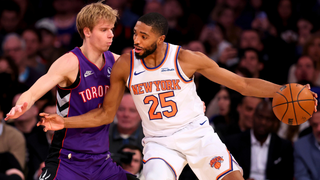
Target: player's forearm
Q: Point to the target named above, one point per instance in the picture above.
(94, 118)
(26, 97)
(260, 88)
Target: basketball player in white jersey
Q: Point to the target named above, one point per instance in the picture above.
(160, 78)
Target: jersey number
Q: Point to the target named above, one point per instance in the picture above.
(164, 102)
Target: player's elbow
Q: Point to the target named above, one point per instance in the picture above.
(241, 87)
(105, 117)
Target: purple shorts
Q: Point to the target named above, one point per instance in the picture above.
(81, 166)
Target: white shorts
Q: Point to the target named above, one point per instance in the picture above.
(198, 145)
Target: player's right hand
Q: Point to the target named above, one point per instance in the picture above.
(17, 111)
(52, 122)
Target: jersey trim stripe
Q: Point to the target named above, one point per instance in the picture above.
(76, 77)
(114, 59)
(228, 170)
(177, 67)
(65, 134)
(131, 69)
(92, 62)
(175, 174)
(162, 62)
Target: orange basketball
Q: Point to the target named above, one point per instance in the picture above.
(293, 104)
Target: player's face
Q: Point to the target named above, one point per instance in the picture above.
(102, 35)
(315, 124)
(145, 40)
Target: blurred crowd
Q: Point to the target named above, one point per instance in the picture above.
(275, 40)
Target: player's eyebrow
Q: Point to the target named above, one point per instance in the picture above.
(141, 32)
(144, 33)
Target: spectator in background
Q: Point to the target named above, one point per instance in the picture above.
(128, 129)
(307, 152)
(15, 47)
(135, 166)
(251, 59)
(38, 146)
(274, 52)
(65, 21)
(197, 46)
(49, 49)
(9, 19)
(12, 141)
(260, 152)
(10, 168)
(220, 50)
(153, 6)
(246, 108)
(28, 14)
(9, 78)
(285, 21)
(123, 28)
(224, 103)
(226, 17)
(173, 12)
(26, 123)
(312, 49)
(33, 39)
(305, 29)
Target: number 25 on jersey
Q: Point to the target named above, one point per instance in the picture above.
(164, 102)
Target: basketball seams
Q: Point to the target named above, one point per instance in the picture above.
(294, 110)
(292, 102)
(284, 103)
(300, 111)
(302, 100)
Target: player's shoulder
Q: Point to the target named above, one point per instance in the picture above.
(68, 57)
(185, 54)
(116, 56)
(126, 57)
(66, 62)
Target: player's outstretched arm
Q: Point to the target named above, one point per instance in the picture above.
(98, 116)
(198, 62)
(58, 72)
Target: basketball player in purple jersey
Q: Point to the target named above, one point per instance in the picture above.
(83, 78)
(159, 76)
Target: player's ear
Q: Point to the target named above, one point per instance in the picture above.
(161, 39)
(86, 32)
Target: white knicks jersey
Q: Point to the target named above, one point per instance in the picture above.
(165, 97)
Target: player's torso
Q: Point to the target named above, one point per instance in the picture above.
(86, 93)
(164, 96)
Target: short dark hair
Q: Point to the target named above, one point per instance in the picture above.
(242, 53)
(158, 23)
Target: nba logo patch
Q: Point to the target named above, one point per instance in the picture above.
(216, 162)
(109, 71)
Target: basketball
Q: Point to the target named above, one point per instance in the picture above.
(293, 104)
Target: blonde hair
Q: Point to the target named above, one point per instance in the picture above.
(90, 15)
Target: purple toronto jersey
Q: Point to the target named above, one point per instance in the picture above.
(85, 94)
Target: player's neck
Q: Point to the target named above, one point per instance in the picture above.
(92, 55)
(156, 58)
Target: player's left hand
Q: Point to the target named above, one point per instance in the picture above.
(51, 122)
(204, 107)
(315, 96)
